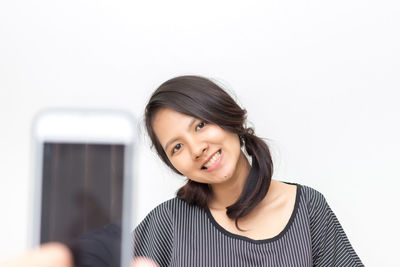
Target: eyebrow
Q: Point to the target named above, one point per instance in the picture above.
(173, 140)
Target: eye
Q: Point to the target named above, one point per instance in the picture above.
(176, 148)
(200, 125)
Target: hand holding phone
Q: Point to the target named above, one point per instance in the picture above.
(58, 255)
(48, 255)
(83, 183)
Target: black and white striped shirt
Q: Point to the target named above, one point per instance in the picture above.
(177, 234)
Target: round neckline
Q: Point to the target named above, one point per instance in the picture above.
(259, 241)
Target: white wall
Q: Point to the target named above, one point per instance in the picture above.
(319, 78)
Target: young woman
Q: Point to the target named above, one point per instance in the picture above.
(230, 212)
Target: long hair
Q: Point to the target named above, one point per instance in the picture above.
(203, 99)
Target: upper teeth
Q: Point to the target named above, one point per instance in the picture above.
(212, 160)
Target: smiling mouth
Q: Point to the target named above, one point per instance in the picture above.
(212, 160)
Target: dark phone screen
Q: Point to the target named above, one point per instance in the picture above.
(82, 194)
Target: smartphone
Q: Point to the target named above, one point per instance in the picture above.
(84, 166)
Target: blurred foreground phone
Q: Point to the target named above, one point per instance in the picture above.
(83, 183)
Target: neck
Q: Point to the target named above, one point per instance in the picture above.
(227, 193)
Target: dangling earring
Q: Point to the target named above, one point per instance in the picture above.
(241, 139)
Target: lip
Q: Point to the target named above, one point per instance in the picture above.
(216, 163)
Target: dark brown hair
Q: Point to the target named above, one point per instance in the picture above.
(203, 99)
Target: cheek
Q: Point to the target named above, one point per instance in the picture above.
(232, 140)
(181, 163)
(215, 134)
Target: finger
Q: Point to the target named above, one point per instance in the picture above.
(49, 255)
(144, 262)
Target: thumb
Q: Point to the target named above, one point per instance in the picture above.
(48, 255)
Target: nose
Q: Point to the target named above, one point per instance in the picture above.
(199, 149)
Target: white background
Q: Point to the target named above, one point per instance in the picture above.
(320, 79)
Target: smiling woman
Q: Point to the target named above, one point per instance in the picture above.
(203, 151)
(178, 103)
(195, 147)
(230, 212)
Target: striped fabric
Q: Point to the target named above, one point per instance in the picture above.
(176, 234)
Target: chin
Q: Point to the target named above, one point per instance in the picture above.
(225, 176)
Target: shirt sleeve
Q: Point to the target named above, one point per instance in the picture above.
(330, 246)
(153, 237)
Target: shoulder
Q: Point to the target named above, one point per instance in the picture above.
(313, 198)
(311, 194)
(161, 211)
(153, 237)
(166, 211)
(312, 204)
(315, 204)
(170, 206)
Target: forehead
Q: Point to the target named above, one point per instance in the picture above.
(168, 124)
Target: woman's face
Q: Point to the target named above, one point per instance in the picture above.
(202, 152)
